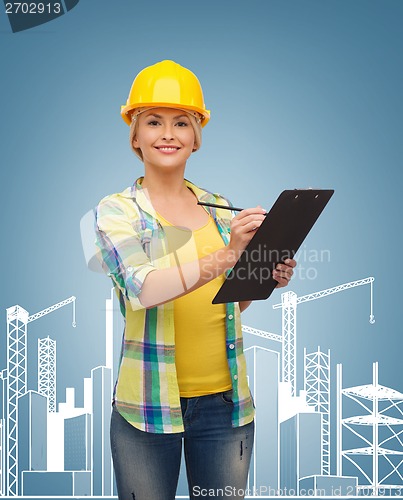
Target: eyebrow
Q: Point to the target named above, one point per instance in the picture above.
(160, 117)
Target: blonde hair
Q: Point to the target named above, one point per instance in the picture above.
(194, 120)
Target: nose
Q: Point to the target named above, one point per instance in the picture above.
(168, 132)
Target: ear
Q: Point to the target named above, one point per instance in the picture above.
(135, 142)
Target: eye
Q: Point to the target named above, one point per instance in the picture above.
(182, 124)
(153, 123)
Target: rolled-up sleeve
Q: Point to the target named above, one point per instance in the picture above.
(121, 253)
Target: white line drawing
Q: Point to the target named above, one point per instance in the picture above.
(263, 365)
(2, 441)
(3, 432)
(47, 371)
(300, 450)
(317, 387)
(102, 472)
(77, 443)
(378, 403)
(32, 433)
(17, 320)
(320, 400)
(289, 302)
(285, 421)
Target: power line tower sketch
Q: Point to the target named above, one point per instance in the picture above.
(317, 387)
(47, 371)
(17, 321)
(377, 431)
(288, 305)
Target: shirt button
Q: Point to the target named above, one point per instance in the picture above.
(235, 377)
(129, 269)
(230, 316)
(231, 346)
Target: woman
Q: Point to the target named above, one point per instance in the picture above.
(182, 372)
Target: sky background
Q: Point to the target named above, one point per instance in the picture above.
(302, 93)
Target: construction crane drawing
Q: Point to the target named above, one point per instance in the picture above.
(289, 302)
(17, 321)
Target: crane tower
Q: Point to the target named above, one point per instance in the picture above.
(47, 371)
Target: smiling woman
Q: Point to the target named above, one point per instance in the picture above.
(182, 373)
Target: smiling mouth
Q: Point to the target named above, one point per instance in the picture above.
(167, 149)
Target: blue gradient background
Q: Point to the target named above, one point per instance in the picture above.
(302, 93)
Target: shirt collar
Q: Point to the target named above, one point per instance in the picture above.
(138, 193)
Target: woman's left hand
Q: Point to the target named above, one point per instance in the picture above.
(284, 272)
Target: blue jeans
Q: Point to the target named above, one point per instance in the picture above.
(217, 455)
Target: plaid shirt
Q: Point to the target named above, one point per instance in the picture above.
(132, 244)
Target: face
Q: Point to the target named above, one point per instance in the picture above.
(165, 136)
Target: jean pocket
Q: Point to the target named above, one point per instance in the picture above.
(226, 397)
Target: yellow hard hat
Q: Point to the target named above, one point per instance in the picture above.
(167, 85)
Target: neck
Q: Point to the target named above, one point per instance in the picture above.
(166, 184)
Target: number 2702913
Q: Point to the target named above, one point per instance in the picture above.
(33, 8)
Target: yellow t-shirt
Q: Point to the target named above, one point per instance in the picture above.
(200, 351)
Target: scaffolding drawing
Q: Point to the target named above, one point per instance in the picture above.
(317, 387)
(17, 321)
(378, 430)
(47, 371)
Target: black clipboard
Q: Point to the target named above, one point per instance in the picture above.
(281, 234)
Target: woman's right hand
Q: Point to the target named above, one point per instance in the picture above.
(243, 228)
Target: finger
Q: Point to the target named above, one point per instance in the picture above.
(252, 226)
(282, 282)
(290, 262)
(250, 211)
(284, 270)
(282, 277)
(251, 218)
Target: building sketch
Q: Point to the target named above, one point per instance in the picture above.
(328, 486)
(56, 484)
(264, 370)
(17, 321)
(102, 471)
(49, 448)
(300, 450)
(32, 433)
(77, 443)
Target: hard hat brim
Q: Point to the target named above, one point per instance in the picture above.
(126, 110)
